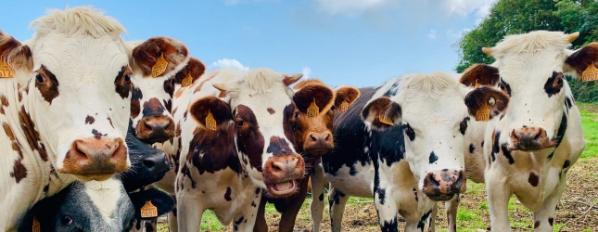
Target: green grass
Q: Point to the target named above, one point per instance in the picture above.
(589, 121)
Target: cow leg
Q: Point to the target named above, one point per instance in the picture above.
(388, 213)
(451, 213)
(498, 193)
(189, 211)
(289, 215)
(544, 217)
(318, 183)
(337, 201)
(172, 221)
(260, 222)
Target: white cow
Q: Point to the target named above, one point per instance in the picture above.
(65, 107)
(529, 149)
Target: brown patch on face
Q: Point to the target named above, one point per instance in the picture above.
(249, 139)
(271, 111)
(18, 170)
(89, 120)
(152, 107)
(168, 105)
(11, 136)
(584, 58)
(322, 96)
(345, 96)
(14, 53)
(96, 134)
(135, 102)
(484, 103)
(480, 75)
(382, 112)
(169, 87)
(301, 130)
(47, 84)
(31, 134)
(554, 84)
(147, 54)
(122, 83)
(190, 73)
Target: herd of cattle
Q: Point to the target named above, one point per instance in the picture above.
(99, 134)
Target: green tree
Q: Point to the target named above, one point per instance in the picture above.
(520, 16)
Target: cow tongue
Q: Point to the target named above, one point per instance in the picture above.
(285, 186)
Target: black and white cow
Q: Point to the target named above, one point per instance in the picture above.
(402, 143)
(65, 97)
(105, 205)
(529, 149)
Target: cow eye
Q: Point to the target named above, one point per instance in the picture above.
(66, 220)
(39, 79)
(239, 122)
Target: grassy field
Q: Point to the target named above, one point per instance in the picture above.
(577, 211)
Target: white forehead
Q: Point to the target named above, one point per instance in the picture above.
(261, 88)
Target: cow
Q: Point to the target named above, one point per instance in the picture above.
(310, 132)
(159, 64)
(233, 146)
(530, 148)
(110, 205)
(403, 144)
(64, 111)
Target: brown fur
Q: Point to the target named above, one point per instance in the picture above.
(249, 139)
(480, 74)
(14, 53)
(583, 58)
(194, 68)
(146, 54)
(478, 98)
(31, 134)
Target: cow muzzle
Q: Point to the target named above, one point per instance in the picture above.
(530, 139)
(318, 143)
(281, 174)
(155, 129)
(96, 159)
(443, 185)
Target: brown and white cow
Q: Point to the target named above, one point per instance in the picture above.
(160, 65)
(65, 98)
(308, 125)
(529, 149)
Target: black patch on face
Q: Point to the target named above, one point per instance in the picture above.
(554, 84)
(507, 153)
(89, 120)
(533, 179)
(227, 194)
(47, 84)
(495, 148)
(471, 148)
(152, 107)
(169, 86)
(122, 83)
(463, 125)
(96, 134)
(560, 134)
(409, 132)
(504, 86)
(433, 158)
(168, 105)
(279, 146)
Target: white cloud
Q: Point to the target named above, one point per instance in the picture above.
(335, 7)
(481, 8)
(432, 34)
(229, 63)
(306, 72)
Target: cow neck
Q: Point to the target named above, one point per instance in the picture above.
(40, 171)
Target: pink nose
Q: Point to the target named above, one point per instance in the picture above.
(318, 143)
(442, 185)
(285, 167)
(155, 129)
(96, 158)
(530, 139)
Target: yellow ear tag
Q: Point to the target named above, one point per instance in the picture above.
(149, 210)
(5, 70)
(160, 66)
(187, 81)
(211, 122)
(313, 110)
(385, 120)
(590, 74)
(35, 226)
(483, 114)
(344, 106)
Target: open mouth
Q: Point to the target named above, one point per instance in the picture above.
(282, 189)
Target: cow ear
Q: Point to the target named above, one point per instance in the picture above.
(211, 112)
(345, 96)
(480, 75)
(158, 56)
(583, 63)
(382, 113)
(485, 103)
(313, 99)
(14, 56)
(191, 72)
(161, 200)
(290, 79)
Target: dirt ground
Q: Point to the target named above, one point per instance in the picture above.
(577, 211)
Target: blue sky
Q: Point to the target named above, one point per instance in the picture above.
(356, 42)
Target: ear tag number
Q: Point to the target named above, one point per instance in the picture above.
(483, 114)
(385, 120)
(5, 70)
(211, 122)
(313, 110)
(590, 74)
(344, 106)
(160, 66)
(149, 210)
(187, 81)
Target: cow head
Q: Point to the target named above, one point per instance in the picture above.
(159, 66)
(434, 118)
(257, 103)
(76, 91)
(308, 121)
(530, 68)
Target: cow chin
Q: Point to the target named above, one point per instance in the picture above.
(282, 189)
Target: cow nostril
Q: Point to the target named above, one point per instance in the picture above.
(148, 163)
(313, 137)
(327, 137)
(276, 168)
